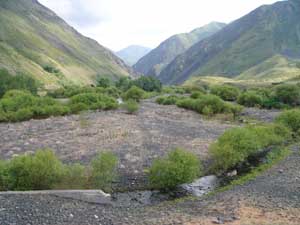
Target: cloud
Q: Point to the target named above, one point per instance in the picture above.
(119, 23)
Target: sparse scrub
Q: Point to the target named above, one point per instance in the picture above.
(131, 106)
(104, 171)
(177, 168)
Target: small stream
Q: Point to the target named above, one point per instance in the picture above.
(198, 188)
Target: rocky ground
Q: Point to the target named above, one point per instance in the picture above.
(272, 199)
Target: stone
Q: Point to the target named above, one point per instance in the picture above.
(201, 186)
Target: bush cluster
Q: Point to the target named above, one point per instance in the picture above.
(235, 146)
(21, 82)
(290, 119)
(168, 100)
(209, 105)
(20, 105)
(226, 92)
(92, 101)
(146, 83)
(178, 167)
(43, 171)
(134, 93)
(281, 96)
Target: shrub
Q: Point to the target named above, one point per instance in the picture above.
(196, 94)
(3, 176)
(134, 93)
(290, 119)
(124, 83)
(21, 105)
(288, 94)
(131, 106)
(51, 69)
(74, 177)
(34, 172)
(167, 100)
(177, 168)
(250, 99)
(236, 145)
(104, 171)
(93, 101)
(148, 83)
(20, 82)
(207, 104)
(226, 92)
(103, 82)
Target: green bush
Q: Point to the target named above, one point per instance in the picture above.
(134, 93)
(167, 100)
(93, 101)
(131, 106)
(196, 94)
(3, 176)
(20, 82)
(250, 99)
(226, 92)
(236, 145)
(104, 171)
(34, 172)
(177, 168)
(208, 104)
(290, 119)
(288, 94)
(148, 83)
(21, 105)
(74, 177)
(104, 82)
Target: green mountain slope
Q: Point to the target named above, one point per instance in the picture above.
(154, 62)
(34, 39)
(253, 40)
(133, 53)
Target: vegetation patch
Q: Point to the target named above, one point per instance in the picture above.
(43, 171)
(235, 146)
(131, 106)
(178, 167)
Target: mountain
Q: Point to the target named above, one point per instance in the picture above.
(35, 41)
(265, 41)
(133, 53)
(154, 62)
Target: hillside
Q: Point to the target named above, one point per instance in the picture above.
(154, 62)
(133, 53)
(249, 46)
(35, 41)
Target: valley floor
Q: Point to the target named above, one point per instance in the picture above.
(271, 199)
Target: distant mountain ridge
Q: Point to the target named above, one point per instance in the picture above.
(133, 53)
(154, 62)
(35, 41)
(265, 42)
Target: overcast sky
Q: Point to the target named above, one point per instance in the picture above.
(119, 23)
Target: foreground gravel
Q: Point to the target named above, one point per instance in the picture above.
(272, 198)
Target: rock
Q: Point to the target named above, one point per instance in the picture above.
(232, 173)
(217, 221)
(201, 186)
